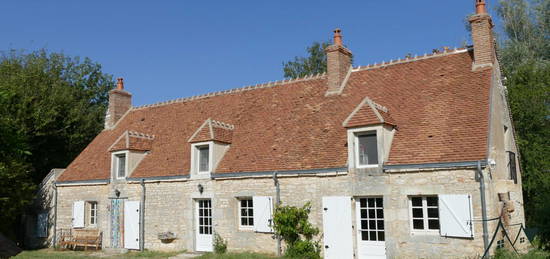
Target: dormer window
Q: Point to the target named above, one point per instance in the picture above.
(203, 158)
(120, 165)
(366, 149)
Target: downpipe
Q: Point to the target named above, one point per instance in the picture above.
(54, 244)
(483, 206)
(142, 217)
(277, 203)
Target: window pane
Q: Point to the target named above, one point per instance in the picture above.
(380, 213)
(381, 236)
(433, 224)
(251, 221)
(372, 235)
(363, 213)
(243, 203)
(432, 201)
(364, 224)
(121, 165)
(363, 202)
(372, 213)
(371, 202)
(380, 224)
(417, 213)
(379, 202)
(416, 201)
(433, 212)
(250, 212)
(368, 153)
(418, 224)
(364, 235)
(243, 212)
(244, 222)
(372, 224)
(203, 159)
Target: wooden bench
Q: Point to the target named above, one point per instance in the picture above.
(85, 238)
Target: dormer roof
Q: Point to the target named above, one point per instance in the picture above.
(132, 140)
(368, 113)
(212, 130)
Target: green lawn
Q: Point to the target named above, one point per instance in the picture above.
(49, 253)
(236, 256)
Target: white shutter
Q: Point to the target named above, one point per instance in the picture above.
(337, 237)
(455, 215)
(263, 213)
(78, 214)
(131, 224)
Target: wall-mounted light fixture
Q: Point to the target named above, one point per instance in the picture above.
(117, 193)
(201, 188)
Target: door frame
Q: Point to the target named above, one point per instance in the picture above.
(359, 227)
(196, 225)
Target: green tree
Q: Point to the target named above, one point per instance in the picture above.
(524, 52)
(52, 107)
(315, 63)
(293, 226)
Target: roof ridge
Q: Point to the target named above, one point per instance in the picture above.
(234, 90)
(140, 135)
(445, 52)
(222, 125)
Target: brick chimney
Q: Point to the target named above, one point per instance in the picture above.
(120, 102)
(482, 36)
(338, 64)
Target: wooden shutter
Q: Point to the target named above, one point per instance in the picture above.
(455, 215)
(263, 213)
(42, 225)
(78, 214)
(337, 236)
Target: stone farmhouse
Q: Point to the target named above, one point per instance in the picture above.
(401, 159)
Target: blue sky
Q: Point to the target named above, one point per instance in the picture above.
(172, 49)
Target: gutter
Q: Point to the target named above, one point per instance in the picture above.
(173, 178)
(312, 172)
(427, 166)
(83, 182)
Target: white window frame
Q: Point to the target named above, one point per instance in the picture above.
(195, 157)
(426, 230)
(353, 145)
(92, 213)
(114, 163)
(241, 226)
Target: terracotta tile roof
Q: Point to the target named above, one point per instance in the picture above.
(368, 112)
(440, 106)
(131, 140)
(213, 130)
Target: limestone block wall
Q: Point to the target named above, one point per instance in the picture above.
(169, 206)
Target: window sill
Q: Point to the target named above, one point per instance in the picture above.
(246, 228)
(366, 166)
(425, 233)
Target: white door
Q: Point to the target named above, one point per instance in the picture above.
(131, 224)
(78, 214)
(203, 225)
(370, 228)
(337, 231)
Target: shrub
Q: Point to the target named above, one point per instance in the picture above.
(292, 225)
(220, 245)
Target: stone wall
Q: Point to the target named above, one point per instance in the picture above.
(169, 207)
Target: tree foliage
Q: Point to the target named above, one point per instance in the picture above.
(524, 51)
(292, 225)
(315, 63)
(52, 106)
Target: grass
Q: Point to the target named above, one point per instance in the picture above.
(533, 254)
(50, 253)
(244, 255)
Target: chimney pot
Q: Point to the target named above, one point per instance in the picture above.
(120, 83)
(480, 7)
(338, 37)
